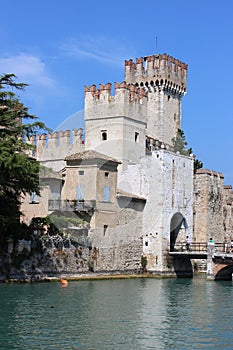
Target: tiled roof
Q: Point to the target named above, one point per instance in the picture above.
(90, 154)
(121, 193)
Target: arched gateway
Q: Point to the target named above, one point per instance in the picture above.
(182, 265)
(178, 227)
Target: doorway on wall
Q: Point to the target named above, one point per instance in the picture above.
(177, 230)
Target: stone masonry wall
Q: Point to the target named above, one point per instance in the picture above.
(119, 248)
(51, 149)
(165, 180)
(44, 257)
(228, 212)
(208, 206)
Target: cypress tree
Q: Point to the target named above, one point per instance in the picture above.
(19, 173)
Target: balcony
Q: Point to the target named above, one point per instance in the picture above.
(75, 205)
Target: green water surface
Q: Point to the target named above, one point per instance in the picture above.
(117, 314)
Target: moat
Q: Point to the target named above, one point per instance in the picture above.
(142, 313)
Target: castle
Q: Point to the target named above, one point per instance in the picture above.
(140, 197)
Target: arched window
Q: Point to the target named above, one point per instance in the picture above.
(104, 135)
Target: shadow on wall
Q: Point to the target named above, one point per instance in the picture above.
(183, 267)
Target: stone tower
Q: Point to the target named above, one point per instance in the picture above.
(147, 104)
(164, 78)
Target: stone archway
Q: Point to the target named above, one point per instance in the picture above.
(177, 230)
(223, 272)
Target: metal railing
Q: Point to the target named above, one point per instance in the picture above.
(66, 205)
(192, 247)
(202, 247)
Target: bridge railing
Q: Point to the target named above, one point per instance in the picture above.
(222, 248)
(202, 247)
(194, 247)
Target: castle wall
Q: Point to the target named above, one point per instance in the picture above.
(156, 67)
(163, 114)
(128, 100)
(150, 98)
(91, 182)
(51, 149)
(165, 179)
(147, 206)
(164, 79)
(228, 212)
(121, 118)
(120, 245)
(82, 176)
(125, 138)
(208, 206)
(38, 206)
(36, 209)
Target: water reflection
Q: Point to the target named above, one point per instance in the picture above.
(117, 314)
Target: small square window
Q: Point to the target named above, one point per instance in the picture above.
(34, 199)
(81, 172)
(106, 174)
(146, 244)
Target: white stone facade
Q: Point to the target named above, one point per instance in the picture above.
(150, 189)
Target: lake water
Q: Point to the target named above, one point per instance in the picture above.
(117, 314)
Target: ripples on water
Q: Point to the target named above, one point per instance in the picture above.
(117, 314)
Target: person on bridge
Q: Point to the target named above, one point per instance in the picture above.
(188, 243)
(232, 246)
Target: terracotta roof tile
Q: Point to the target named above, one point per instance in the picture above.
(90, 154)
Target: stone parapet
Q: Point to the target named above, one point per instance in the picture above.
(209, 172)
(161, 68)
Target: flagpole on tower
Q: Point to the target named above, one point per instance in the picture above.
(156, 53)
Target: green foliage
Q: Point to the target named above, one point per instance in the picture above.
(62, 221)
(39, 223)
(19, 173)
(55, 223)
(180, 145)
(197, 165)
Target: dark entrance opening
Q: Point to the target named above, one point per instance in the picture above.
(175, 226)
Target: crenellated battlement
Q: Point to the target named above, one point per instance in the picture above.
(123, 91)
(157, 70)
(151, 94)
(128, 100)
(52, 148)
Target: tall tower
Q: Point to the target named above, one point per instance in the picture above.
(164, 78)
(147, 104)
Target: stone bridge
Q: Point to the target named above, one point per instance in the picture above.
(219, 259)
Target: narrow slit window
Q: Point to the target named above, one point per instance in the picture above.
(136, 137)
(105, 229)
(80, 192)
(106, 194)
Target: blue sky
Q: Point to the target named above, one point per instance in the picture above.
(57, 47)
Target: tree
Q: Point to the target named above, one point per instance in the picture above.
(19, 172)
(180, 145)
